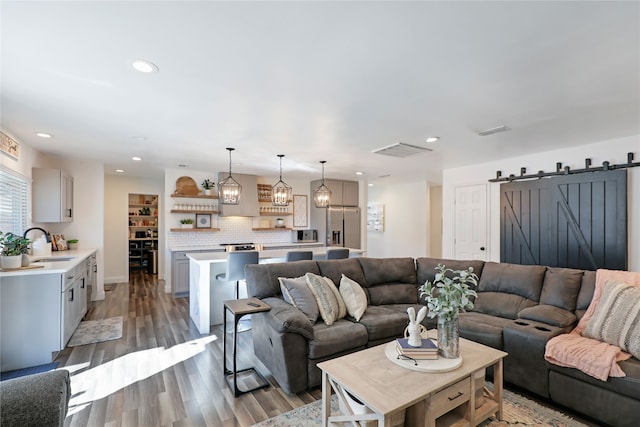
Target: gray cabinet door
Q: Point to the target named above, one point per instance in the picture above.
(350, 193)
(336, 191)
(180, 276)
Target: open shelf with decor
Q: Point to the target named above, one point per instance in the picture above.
(272, 229)
(190, 230)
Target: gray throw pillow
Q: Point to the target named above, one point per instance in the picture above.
(296, 292)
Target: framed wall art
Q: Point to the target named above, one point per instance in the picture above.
(300, 218)
(203, 220)
(9, 146)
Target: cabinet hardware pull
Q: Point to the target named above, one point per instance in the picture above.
(71, 290)
(456, 396)
(70, 277)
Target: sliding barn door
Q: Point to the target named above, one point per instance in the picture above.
(577, 221)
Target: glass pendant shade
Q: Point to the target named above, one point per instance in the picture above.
(322, 194)
(229, 190)
(281, 193)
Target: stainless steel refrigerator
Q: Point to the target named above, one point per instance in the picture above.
(343, 227)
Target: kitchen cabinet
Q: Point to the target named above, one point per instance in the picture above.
(52, 192)
(40, 311)
(343, 193)
(180, 274)
(248, 205)
(73, 301)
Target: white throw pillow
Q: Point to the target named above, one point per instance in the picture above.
(355, 298)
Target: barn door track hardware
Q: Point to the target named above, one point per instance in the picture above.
(606, 166)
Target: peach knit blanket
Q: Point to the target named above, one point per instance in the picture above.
(593, 357)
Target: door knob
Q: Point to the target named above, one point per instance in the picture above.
(482, 248)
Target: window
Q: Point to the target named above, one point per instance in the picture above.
(14, 190)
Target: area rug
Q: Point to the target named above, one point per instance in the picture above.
(93, 331)
(517, 411)
(28, 371)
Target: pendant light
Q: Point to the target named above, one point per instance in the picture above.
(281, 193)
(322, 194)
(229, 190)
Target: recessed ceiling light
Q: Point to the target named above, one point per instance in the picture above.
(120, 170)
(432, 138)
(182, 165)
(139, 138)
(144, 66)
(44, 135)
(370, 185)
(359, 173)
(136, 159)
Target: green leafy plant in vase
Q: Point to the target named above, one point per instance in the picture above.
(186, 223)
(13, 247)
(208, 186)
(452, 292)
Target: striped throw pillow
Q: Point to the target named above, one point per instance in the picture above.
(616, 320)
(327, 297)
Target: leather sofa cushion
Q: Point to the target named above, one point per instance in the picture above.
(426, 267)
(384, 322)
(627, 386)
(586, 293)
(483, 328)
(549, 314)
(560, 287)
(341, 336)
(506, 289)
(262, 279)
(390, 280)
(501, 304)
(335, 268)
(379, 271)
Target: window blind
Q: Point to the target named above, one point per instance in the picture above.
(14, 191)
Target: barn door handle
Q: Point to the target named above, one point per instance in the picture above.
(482, 248)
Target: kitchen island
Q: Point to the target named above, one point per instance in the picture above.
(41, 307)
(206, 294)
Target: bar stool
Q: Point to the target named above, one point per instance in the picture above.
(236, 261)
(299, 256)
(338, 253)
(235, 267)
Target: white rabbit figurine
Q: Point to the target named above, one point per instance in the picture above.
(414, 327)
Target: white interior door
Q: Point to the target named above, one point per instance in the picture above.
(471, 222)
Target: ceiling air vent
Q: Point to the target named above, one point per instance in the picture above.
(491, 131)
(401, 149)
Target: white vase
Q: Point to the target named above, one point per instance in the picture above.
(26, 260)
(186, 225)
(13, 261)
(207, 192)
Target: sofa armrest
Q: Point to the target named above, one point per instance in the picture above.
(285, 318)
(549, 314)
(35, 400)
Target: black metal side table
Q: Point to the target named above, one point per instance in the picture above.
(240, 308)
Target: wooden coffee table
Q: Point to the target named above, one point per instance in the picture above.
(389, 390)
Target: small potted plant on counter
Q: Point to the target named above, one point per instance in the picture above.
(73, 244)
(208, 186)
(186, 223)
(14, 249)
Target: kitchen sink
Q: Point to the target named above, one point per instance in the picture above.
(62, 258)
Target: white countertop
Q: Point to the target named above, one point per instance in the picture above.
(218, 248)
(268, 255)
(77, 256)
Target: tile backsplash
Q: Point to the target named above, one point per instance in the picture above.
(232, 230)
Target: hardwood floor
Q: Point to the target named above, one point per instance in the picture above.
(162, 372)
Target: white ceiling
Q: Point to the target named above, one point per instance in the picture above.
(317, 81)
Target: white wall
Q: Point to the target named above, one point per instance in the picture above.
(406, 215)
(116, 222)
(614, 151)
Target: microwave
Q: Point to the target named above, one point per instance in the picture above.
(304, 236)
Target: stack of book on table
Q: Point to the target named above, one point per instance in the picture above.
(427, 350)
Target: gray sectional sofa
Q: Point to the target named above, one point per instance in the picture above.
(518, 309)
